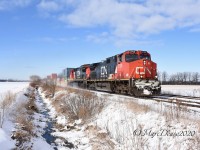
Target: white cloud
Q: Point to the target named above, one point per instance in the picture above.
(10, 4)
(49, 6)
(131, 18)
(125, 19)
(57, 5)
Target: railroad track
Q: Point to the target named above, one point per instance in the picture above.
(178, 100)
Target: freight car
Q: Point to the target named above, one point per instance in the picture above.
(131, 72)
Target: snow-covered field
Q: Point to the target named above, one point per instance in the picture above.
(185, 90)
(14, 87)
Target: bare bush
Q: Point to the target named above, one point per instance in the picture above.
(35, 81)
(58, 104)
(5, 102)
(21, 137)
(25, 123)
(81, 105)
(50, 87)
(85, 104)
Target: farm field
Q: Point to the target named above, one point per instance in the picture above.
(185, 90)
(14, 87)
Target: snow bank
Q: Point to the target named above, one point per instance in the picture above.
(8, 126)
(5, 141)
(133, 129)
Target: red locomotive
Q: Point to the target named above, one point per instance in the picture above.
(131, 72)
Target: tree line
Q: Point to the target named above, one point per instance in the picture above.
(12, 80)
(192, 78)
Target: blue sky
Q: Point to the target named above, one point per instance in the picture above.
(45, 36)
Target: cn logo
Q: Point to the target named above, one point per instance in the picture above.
(140, 70)
(104, 71)
(78, 73)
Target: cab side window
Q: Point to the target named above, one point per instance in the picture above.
(120, 58)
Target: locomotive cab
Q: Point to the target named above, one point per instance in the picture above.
(135, 64)
(140, 70)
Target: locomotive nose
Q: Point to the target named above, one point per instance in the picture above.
(150, 69)
(145, 69)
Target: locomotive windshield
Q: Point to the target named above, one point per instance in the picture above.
(142, 56)
(131, 57)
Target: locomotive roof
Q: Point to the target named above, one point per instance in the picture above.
(134, 51)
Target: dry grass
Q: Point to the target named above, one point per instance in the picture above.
(98, 139)
(137, 108)
(21, 137)
(71, 90)
(174, 110)
(23, 120)
(25, 123)
(5, 103)
(59, 88)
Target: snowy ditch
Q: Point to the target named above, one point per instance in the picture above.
(60, 133)
(50, 129)
(49, 121)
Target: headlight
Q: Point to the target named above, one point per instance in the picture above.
(141, 76)
(144, 62)
(156, 77)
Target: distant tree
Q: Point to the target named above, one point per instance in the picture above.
(195, 77)
(35, 80)
(179, 77)
(185, 76)
(159, 75)
(173, 79)
(164, 76)
(189, 77)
